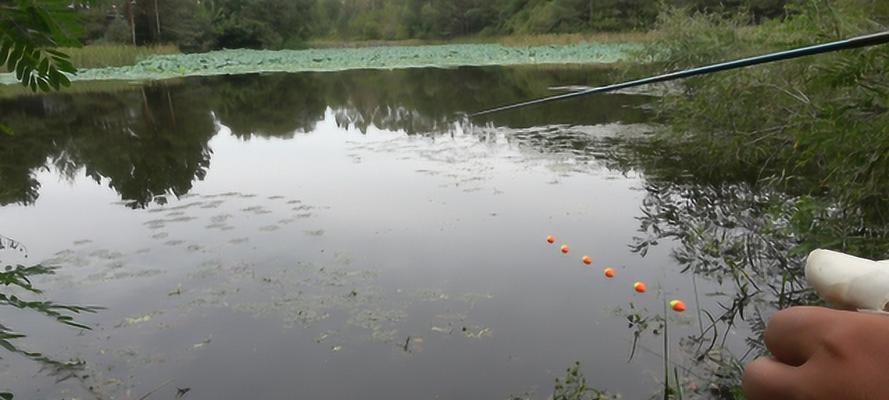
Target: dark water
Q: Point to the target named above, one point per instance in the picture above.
(336, 235)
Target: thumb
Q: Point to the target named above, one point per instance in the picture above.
(766, 379)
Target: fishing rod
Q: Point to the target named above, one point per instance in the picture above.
(853, 43)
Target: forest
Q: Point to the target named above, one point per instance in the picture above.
(200, 25)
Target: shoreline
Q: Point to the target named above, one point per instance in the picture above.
(516, 40)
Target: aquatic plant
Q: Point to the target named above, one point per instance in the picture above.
(573, 386)
(225, 62)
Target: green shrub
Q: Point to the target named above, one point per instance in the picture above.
(118, 32)
(814, 126)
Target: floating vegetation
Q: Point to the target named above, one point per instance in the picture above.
(476, 332)
(256, 210)
(347, 302)
(203, 342)
(132, 321)
(324, 336)
(253, 61)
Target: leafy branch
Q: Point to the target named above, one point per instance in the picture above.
(20, 278)
(62, 370)
(29, 35)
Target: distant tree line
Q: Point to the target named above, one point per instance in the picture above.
(196, 25)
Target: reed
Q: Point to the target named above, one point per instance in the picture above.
(551, 39)
(571, 38)
(112, 55)
(115, 55)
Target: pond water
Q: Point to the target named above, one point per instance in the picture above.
(337, 235)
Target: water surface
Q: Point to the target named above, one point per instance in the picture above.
(334, 235)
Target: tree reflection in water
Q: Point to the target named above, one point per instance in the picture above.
(152, 141)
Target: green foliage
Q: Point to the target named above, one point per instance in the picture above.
(20, 276)
(19, 279)
(814, 126)
(755, 168)
(186, 24)
(29, 32)
(275, 24)
(559, 16)
(118, 31)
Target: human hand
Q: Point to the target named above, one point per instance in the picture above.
(820, 353)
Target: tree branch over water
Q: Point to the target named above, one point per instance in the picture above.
(16, 281)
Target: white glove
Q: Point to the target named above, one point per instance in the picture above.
(848, 281)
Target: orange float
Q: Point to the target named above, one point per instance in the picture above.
(550, 239)
(565, 248)
(610, 273)
(587, 260)
(640, 287)
(677, 305)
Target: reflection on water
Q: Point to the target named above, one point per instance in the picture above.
(152, 141)
(350, 234)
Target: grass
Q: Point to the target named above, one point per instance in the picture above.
(335, 43)
(112, 55)
(571, 38)
(115, 55)
(509, 40)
